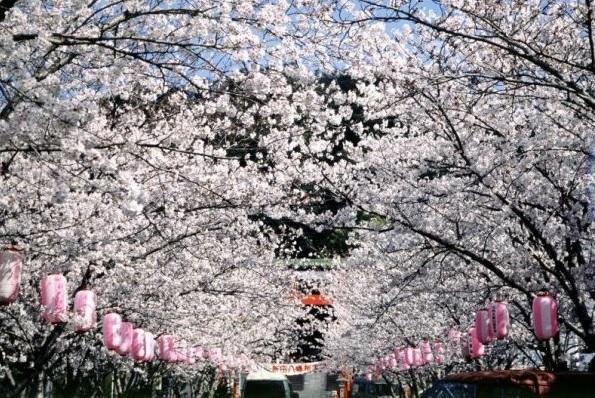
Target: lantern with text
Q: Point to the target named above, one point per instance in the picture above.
(499, 319)
(11, 264)
(54, 298)
(126, 334)
(483, 326)
(85, 303)
(476, 349)
(111, 331)
(545, 316)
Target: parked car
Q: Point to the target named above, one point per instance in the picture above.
(264, 384)
(514, 384)
(363, 388)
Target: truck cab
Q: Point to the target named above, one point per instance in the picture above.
(263, 384)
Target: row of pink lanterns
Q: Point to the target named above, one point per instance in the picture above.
(54, 296)
(490, 323)
(118, 336)
(122, 338)
(493, 323)
(405, 358)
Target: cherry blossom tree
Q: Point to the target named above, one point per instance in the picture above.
(474, 183)
(122, 168)
(168, 155)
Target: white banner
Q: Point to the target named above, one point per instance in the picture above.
(290, 369)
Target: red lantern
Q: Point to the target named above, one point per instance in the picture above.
(111, 331)
(499, 319)
(54, 298)
(126, 334)
(483, 326)
(476, 349)
(138, 348)
(545, 316)
(426, 353)
(11, 264)
(85, 303)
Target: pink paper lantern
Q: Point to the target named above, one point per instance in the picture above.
(426, 353)
(438, 353)
(410, 356)
(403, 359)
(483, 326)
(149, 347)
(137, 350)
(167, 348)
(499, 319)
(476, 348)
(11, 264)
(393, 363)
(417, 357)
(126, 334)
(545, 316)
(54, 298)
(111, 331)
(85, 303)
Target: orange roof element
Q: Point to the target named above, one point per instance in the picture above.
(315, 300)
